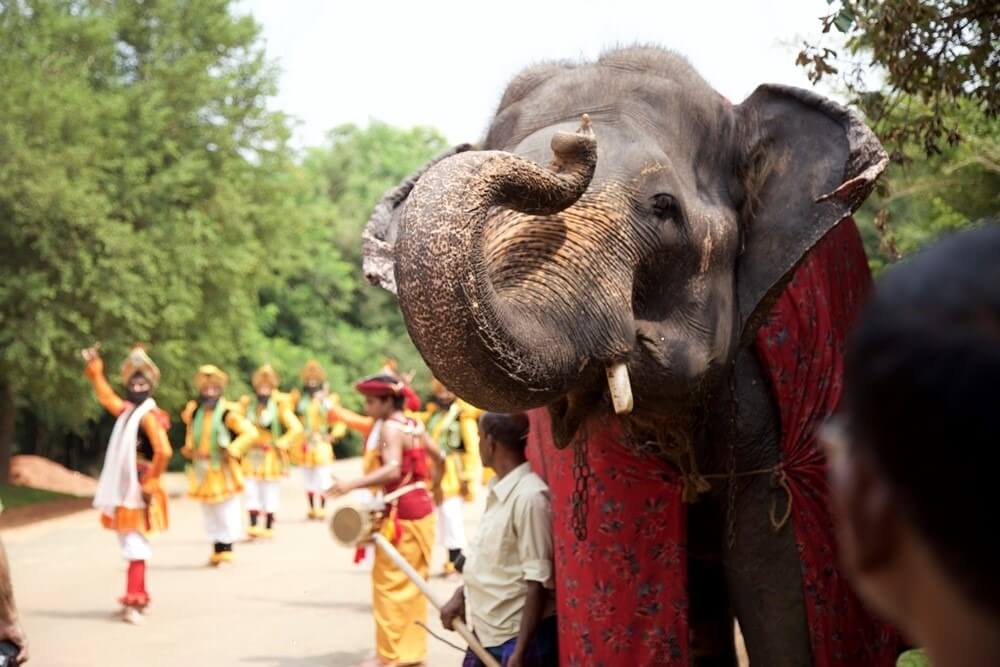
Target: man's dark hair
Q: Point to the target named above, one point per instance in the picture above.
(510, 431)
(922, 396)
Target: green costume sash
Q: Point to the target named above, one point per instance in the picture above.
(269, 418)
(302, 410)
(447, 426)
(219, 435)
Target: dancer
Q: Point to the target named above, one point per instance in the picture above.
(277, 429)
(217, 437)
(129, 495)
(454, 427)
(314, 455)
(402, 449)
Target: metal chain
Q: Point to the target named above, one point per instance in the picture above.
(581, 476)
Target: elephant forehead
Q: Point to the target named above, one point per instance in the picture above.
(627, 155)
(650, 102)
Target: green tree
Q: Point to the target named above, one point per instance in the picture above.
(925, 56)
(145, 194)
(322, 307)
(936, 71)
(935, 195)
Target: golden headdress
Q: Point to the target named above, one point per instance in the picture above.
(437, 387)
(209, 374)
(139, 362)
(312, 371)
(265, 373)
(390, 367)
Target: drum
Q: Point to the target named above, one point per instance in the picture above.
(351, 524)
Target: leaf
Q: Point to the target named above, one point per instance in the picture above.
(845, 20)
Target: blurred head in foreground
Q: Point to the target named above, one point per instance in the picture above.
(913, 454)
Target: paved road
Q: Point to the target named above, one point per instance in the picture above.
(294, 602)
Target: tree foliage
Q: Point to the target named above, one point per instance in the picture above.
(937, 195)
(925, 74)
(148, 194)
(322, 307)
(933, 55)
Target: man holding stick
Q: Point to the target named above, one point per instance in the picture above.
(507, 596)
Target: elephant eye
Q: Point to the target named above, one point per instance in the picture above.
(665, 206)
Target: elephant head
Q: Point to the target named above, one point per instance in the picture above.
(629, 269)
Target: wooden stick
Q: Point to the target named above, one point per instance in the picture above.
(402, 491)
(458, 626)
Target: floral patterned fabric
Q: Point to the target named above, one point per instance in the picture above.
(621, 594)
(801, 347)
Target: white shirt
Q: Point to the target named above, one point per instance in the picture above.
(513, 546)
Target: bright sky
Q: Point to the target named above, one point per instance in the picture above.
(445, 63)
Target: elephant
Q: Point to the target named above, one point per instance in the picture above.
(611, 248)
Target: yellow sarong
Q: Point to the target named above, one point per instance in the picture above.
(397, 602)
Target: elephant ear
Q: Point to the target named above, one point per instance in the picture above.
(379, 236)
(808, 163)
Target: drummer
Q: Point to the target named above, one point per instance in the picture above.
(508, 576)
(403, 451)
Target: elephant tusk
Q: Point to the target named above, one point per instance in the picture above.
(620, 387)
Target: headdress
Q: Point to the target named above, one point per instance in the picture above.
(390, 367)
(380, 386)
(139, 362)
(209, 374)
(383, 385)
(265, 374)
(312, 371)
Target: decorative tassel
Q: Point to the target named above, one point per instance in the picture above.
(397, 529)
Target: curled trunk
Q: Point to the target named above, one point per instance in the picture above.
(494, 330)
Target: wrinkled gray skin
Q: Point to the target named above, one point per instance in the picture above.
(659, 237)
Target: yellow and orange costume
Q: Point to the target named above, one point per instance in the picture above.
(266, 463)
(314, 453)
(397, 604)
(129, 495)
(455, 430)
(217, 437)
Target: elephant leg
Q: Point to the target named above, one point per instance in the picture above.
(709, 613)
(765, 582)
(763, 571)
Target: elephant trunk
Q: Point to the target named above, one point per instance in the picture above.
(498, 347)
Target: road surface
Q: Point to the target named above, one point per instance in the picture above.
(295, 601)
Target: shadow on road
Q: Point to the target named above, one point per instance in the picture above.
(182, 567)
(336, 659)
(363, 607)
(93, 614)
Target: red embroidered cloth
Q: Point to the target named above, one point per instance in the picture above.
(621, 593)
(801, 347)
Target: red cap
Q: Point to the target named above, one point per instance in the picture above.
(412, 400)
(382, 385)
